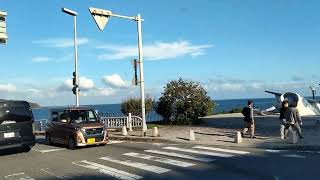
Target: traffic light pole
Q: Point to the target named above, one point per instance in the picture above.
(75, 88)
(76, 60)
(101, 17)
(143, 109)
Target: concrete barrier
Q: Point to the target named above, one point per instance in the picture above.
(238, 137)
(155, 132)
(191, 136)
(124, 131)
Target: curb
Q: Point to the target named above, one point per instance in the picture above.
(302, 147)
(265, 146)
(140, 139)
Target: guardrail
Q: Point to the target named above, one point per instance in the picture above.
(109, 122)
(119, 122)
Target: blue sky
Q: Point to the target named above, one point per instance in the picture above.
(235, 49)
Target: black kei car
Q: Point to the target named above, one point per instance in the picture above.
(16, 130)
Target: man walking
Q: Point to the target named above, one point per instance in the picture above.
(249, 119)
(283, 111)
(293, 119)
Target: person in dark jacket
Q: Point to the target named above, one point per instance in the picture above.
(283, 110)
(293, 119)
(249, 119)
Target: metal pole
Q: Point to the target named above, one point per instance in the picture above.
(76, 60)
(143, 109)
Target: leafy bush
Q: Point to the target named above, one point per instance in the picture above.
(133, 106)
(183, 102)
(235, 110)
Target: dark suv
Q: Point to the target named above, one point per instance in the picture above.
(16, 120)
(75, 126)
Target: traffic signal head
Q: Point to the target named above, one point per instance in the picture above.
(74, 90)
(74, 79)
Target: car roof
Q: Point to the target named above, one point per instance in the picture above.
(11, 103)
(67, 108)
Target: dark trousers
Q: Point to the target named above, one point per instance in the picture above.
(294, 127)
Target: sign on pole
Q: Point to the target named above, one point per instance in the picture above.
(100, 16)
(135, 76)
(3, 27)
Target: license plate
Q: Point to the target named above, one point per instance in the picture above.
(8, 135)
(91, 140)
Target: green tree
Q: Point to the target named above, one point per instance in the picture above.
(183, 102)
(133, 105)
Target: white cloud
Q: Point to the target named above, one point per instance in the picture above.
(40, 59)
(61, 42)
(35, 91)
(156, 51)
(105, 91)
(84, 82)
(115, 81)
(222, 87)
(8, 88)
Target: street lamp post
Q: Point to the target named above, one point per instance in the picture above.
(76, 85)
(101, 17)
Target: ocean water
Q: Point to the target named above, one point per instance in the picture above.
(114, 109)
(227, 105)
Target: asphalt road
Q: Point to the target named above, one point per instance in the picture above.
(125, 160)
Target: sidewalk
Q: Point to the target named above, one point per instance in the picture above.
(220, 129)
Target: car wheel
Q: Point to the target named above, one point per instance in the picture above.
(48, 139)
(26, 148)
(71, 144)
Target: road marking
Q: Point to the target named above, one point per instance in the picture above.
(158, 144)
(184, 156)
(294, 156)
(198, 152)
(159, 159)
(115, 142)
(107, 170)
(221, 150)
(274, 150)
(49, 150)
(18, 176)
(138, 165)
(308, 151)
(47, 171)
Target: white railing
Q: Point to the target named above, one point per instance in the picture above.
(119, 122)
(109, 122)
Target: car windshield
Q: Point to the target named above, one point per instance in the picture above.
(82, 116)
(15, 114)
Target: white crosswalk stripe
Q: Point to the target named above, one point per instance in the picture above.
(178, 155)
(114, 142)
(107, 170)
(146, 167)
(208, 153)
(48, 171)
(18, 176)
(293, 156)
(221, 150)
(160, 159)
(49, 150)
